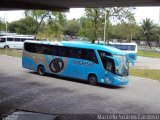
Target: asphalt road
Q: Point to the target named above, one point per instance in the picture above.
(147, 63)
(26, 90)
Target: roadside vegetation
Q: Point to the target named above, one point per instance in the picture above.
(11, 52)
(146, 73)
(149, 54)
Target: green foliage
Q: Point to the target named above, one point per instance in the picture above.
(147, 30)
(146, 73)
(55, 20)
(23, 26)
(93, 21)
(126, 31)
(56, 23)
(120, 24)
(2, 25)
(72, 27)
(148, 54)
(11, 52)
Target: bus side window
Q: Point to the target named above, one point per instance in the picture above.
(89, 54)
(63, 51)
(17, 39)
(28, 47)
(103, 53)
(131, 47)
(39, 48)
(73, 52)
(118, 47)
(2, 39)
(109, 65)
(49, 49)
(123, 47)
(9, 39)
(23, 39)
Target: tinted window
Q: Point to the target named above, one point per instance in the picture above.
(17, 39)
(89, 54)
(109, 65)
(50, 49)
(29, 47)
(63, 51)
(23, 39)
(118, 46)
(123, 47)
(103, 53)
(2, 39)
(30, 39)
(73, 52)
(131, 47)
(40, 48)
(9, 39)
(79, 53)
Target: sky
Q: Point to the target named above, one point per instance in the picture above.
(140, 13)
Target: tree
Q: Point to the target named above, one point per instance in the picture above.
(39, 16)
(72, 27)
(125, 31)
(2, 25)
(23, 26)
(43, 15)
(56, 23)
(95, 17)
(147, 30)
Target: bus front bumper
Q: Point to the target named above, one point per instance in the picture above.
(117, 80)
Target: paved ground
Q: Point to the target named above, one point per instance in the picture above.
(25, 90)
(147, 63)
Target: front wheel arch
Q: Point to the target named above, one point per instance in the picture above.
(92, 79)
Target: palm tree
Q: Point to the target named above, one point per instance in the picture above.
(147, 30)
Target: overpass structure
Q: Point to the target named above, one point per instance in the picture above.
(64, 5)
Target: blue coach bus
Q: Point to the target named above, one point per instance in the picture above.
(91, 62)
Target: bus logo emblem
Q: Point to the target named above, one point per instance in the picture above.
(56, 65)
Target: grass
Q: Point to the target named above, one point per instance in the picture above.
(146, 73)
(149, 54)
(11, 52)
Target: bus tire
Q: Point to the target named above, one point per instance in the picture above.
(41, 70)
(6, 46)
(92, 79)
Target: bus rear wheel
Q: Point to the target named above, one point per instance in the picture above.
(41, 70)
(92, 79)
(6, 46)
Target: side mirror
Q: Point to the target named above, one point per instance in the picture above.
(129, 59)
(115, 60)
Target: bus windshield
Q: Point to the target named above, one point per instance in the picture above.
(123, 68)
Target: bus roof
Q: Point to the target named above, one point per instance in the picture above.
(80, 44)
(18, 36)
(123, 43)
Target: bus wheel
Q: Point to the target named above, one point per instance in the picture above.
(6, 46)
(41, 70)
(92, 79)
